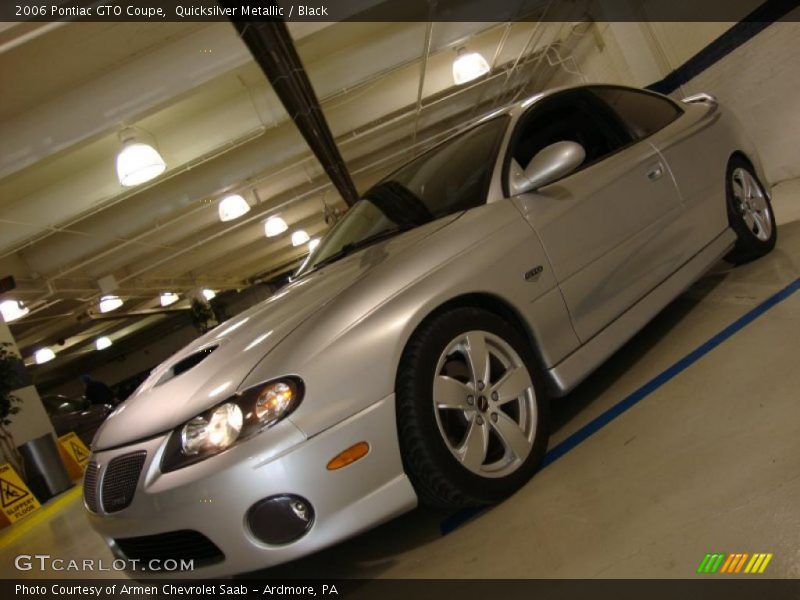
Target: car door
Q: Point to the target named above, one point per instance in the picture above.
(696, 143)
(611, 228)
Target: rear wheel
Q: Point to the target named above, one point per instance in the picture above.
(749, 213)
(471, 410)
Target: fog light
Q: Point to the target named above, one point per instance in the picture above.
(280, 519)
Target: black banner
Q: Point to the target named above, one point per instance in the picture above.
(734, 588)
(395, 10)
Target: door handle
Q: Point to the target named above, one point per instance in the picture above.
(656, 172)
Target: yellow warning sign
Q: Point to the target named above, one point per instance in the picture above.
(74, 453)
(74, 447)
(15, 497)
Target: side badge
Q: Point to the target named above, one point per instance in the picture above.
(534, 273)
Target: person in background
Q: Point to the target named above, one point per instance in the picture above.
(97, 392)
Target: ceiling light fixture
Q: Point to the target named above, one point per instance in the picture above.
(137, 161)
(13, 310)
(299, 238)
(209, 294)
(274, 226)
(102, 343)
(313, 244)
(109, 303)
(44, 355)
(168, 298)
(468, 66)
(232, 207)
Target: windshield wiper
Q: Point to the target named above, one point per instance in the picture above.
(351, 247)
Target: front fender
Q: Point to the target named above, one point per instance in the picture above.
(348, 353)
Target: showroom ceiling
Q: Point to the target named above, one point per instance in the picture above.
(70, 232)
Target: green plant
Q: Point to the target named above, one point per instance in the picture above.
(10, 380)
(203, 317)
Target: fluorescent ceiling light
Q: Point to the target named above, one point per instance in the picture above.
(313, 244)
(43, 355)
(208, 294)
(168, 298)
(275, 226)
(299, 238)
(13, 310)
(232, 207)
(109, 303)
(102, 343)
(137, 161)
(468, 66)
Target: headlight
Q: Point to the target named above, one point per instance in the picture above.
(236, 419)
(217, 432)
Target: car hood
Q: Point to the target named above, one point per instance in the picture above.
(230, 351)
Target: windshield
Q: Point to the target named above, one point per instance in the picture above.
(450, 178)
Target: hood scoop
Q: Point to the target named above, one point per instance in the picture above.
(185, 364)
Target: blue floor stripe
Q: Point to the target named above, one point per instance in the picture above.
(560, 449)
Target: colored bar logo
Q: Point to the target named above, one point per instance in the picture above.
(738, 562)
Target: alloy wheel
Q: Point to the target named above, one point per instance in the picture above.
(485, 404)
(751, 203)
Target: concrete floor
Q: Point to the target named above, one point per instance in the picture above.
(708, 462)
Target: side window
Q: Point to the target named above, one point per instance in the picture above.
(642, 113)
(574, 117)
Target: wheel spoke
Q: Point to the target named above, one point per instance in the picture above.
(748, 220)
(512, 436)
(473, 450)
(450, 393)
(738, 189)
(762, 224)
(512, 384)
(747, 184)
(478, 356)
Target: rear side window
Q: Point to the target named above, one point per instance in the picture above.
(643, 113)
(569, 116)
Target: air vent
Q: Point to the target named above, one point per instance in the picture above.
(185, 364)
(175, 545)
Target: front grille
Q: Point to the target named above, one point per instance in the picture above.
(90, 486)
(120, 479)
(177, 545)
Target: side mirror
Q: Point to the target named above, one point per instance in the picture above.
(549, 164)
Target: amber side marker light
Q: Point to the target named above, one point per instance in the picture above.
(349, 456)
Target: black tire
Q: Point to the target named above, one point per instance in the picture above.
(438, 477)
(748, 245)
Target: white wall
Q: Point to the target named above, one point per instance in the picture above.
(760, 82)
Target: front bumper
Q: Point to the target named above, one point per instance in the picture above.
(212, 497)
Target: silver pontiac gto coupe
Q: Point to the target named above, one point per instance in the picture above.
(413, 356)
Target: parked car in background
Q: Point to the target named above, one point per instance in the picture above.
(75, 414)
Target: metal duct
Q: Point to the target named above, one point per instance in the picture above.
(273, 49)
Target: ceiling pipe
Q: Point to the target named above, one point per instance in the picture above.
(273, 50)
(426, 52)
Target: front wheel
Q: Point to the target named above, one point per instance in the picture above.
(471, 409)
(749, 213)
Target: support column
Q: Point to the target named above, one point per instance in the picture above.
(31, 421)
